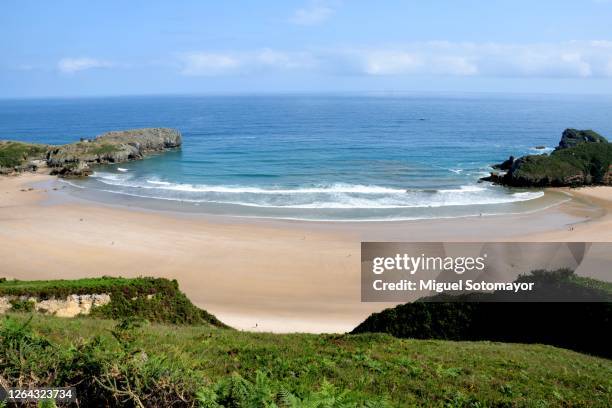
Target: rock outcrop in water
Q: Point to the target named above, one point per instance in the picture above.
(76, 159)
(583, 157)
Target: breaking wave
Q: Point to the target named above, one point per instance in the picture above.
(323, 196)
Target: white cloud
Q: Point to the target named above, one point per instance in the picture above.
(564, 60)
(283, 60)
(601, 43)
(413, 62)
(609, 68)
(390, 62)
(316, 12)
(209, 64)
(233, 63)
(72, 65)
(573, 59)
(454, 65)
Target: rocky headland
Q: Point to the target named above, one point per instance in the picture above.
(583, 157)
(76, 159)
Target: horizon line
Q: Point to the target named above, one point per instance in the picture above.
(302, 92)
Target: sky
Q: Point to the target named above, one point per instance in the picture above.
(111, 47)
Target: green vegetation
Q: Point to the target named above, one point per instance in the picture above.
(22, 305)
(573, 137)
(130, 356)
(154, 299)
(591, 283)
(97, 148)
(582, 324)
(583, 157)
(105, 149)
(135, 364)
(13, 154)
(585, 163)
(588, 288)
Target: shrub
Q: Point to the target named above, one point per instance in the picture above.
(14, 154)
(496, 317)
(124, 375)
(22, 305)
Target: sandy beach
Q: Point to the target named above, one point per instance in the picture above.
(264, 275)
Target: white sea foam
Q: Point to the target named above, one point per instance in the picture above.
(118, 180)
(158, 182)
(350, 202)
(542, 151)
(369, 205)
(332, 196)
(463, 189)
(109, 176)
(121, 169)
(392, 203)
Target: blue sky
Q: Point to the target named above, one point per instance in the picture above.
(86, 48)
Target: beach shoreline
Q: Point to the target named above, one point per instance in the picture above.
(253, 274)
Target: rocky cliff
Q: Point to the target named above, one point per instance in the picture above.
(76, 159)
(583, 157)
(71, 306)
(153, 299)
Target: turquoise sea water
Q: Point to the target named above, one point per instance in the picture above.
(341, 157)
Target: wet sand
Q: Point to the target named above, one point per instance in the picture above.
(264, 275)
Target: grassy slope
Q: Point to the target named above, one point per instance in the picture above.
(187, 362)
(408, 372)
(95, 147)
(592, 283)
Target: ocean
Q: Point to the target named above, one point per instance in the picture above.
(349, 157)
